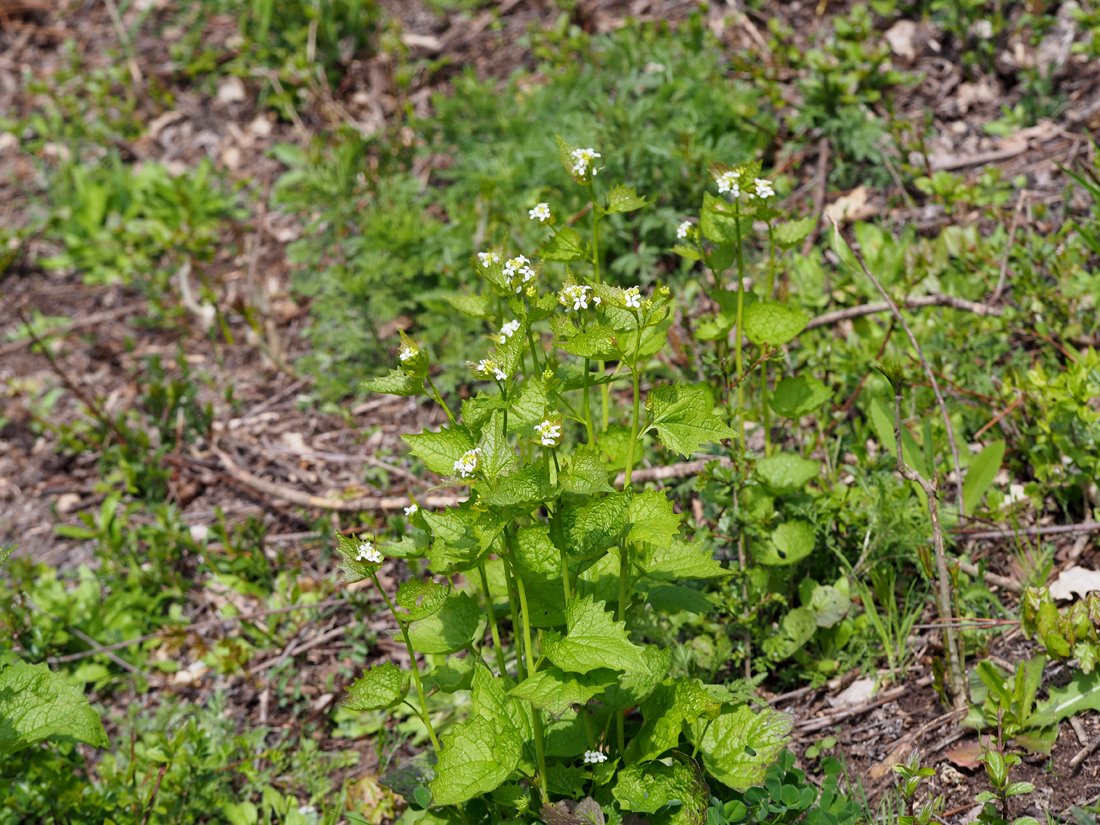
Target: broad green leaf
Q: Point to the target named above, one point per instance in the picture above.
(829, 604)
(786, 472)
(527, 488)
(789, 543)
(395, 382)
(491, 702)
(448, 630)
(593, 341)
(440, 450)
(497, 456)
(584, 473)
(980, 474)
(649, 788)
(790, 233)
(623, 199)
(535, 554)
(674, 598)
(476, 758)
(681, 559)
(665, 712)
(462, 535)
(1081, 693)
(637, 684)
(476, 306)
(555, 691)
(565, 245)
(382, 686)
(652, 519)
(797, 628)
(594, 640)
(798, 396)
(739, 745)
(682, 417)
(717, 220)
(420, 599)
(38, 704)
(689, 253)
(772, 323)
(594, 526)
(528, 406)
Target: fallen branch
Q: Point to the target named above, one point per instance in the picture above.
(1003, 582)
(80, 323)
(1051, 530)
(933, 300)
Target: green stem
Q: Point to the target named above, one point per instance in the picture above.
(532, 668)
(605, 390)
(425, 718)
(439, 400)
(587, 405)
(493, 630)
(737, 357)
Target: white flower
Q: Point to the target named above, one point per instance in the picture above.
(683, 229)
(582, 160)
(594, 757)
(633, 297)
(540, 213)
(486, 367)
(407, 352)
(518, 271)
(549, 432)
(488, 258)
(763, 188)
(411, 509)
(577, 295)
(368, 554)
(467, 464)
(508, 330)
(597, 300)
(729, 182)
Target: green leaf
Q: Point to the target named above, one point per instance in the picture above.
(565, 245)
(476, 306)
(38, 704)
(382, 686)
(623, 199)
(596, 525)
(420, 599)
(689, 253)
(594, 640)
(829, 604)
(739, 745)
(790, 542)
(717, 221)
(681, 559)
(790, 233)
(584, 473)
(555, 691)
(668, 708)
(980, 474)
(674, 598)
(772, 323)
(786, 472)
(476, 758)
(592, 341)
(527, 488)
(637, 684)
(652, 519)
(450, 629)
(682, 417)
(395, 382)
(648, 788)
(798, 396)
(440, 450)
(498, 456)
(797, 628)
(1082, 692)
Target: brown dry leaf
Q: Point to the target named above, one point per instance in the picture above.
(967, 754)
(850, 207)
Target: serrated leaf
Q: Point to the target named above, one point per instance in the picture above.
(772, 323)
(592, 341)
(594, 640)
(980, 474)
(665, 711)
(475, 306)
(717, 221)
(38, 704)
(623, 199)
(739, 745)
(526, 489)
(395, 382)
(476, 758)
(790, 233)
(652, 519)
(597, 524)
(786, 472)
(652, 787)
(419, 599)
(797, 396)
(565, 245)
(790, 542)
(674, 598)
(529, 405)
(497, 456)
(682, 417)
(381, 686)
(681, 559)
(638, 684)
(448, 630)
(440, 450)
(535, 554)
(555, 691)
(584, 473)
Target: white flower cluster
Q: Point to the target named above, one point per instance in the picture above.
(683, 229)
(578, 296)
(368, 554)
(584, 162)
(633, 297)
(540, 213)
(763, 188)
(729, 182)
(508, 330)
(487, 367)
(412, 509)
(488, 258)
(594, 757)
(549, 432)
(407, 352)
(518, 271)
(467, 464)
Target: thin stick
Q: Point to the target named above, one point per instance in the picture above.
(936, 299)
(927, 370)
(1021, 203)
(1051, 530)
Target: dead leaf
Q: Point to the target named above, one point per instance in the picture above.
(902, 39)
(1075, 580)
(855, 694)
(850, 207)
(230, 90)
(967, 754)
